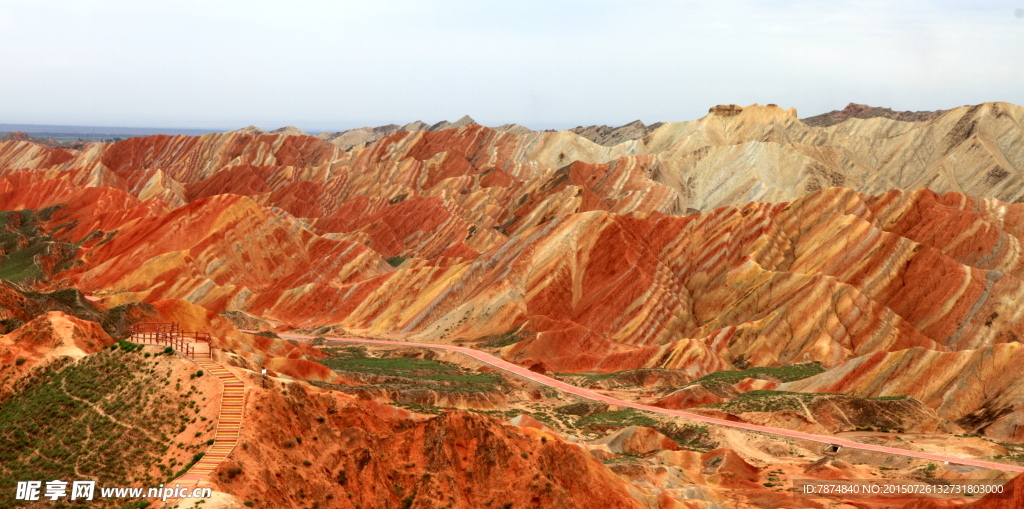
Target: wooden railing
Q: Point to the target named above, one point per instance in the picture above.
(169, 334)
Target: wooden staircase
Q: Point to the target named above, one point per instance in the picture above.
(229, 424)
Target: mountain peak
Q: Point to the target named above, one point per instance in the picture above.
(864, 111)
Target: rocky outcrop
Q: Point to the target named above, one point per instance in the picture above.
(637, 440)
(725, 110)
(688, 397)
(989, 401)
(363, 136)
(513, 128)
(863, 111)
(44, 340)
(611, 136)
(372, 455)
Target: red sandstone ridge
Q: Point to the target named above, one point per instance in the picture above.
(888, 252)
(595, 290)
(372, 455)
(637, 440)
(733, 155)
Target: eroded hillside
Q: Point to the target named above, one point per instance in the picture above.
(885, 253)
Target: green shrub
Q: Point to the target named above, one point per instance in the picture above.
(19, 361)
(128, 346)
(789, 373)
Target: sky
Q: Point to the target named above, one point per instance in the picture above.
(543, 64)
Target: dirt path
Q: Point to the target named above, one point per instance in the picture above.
(571, 389)
(100, 411)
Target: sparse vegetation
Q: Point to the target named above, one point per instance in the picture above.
(395, 261)
(504, 339)
(24, 242)
(616, 418)
(774, 401)
(629, 377)
(408, 373)
(92, 419)
(927, 471)
(622, 458)
(583, 408)
(689, 436)
(789, 373)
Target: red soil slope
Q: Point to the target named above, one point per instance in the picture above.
(590, 260)
(373, 455)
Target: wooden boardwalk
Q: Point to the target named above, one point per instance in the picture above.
(229, 424)
(198, 348)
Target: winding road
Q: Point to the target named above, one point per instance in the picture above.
(584, 393)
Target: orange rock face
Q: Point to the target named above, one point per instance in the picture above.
(43, 340)
(688, 397)
(373, 455)
(637, 440)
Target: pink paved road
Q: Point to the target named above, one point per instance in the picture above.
(551, 382)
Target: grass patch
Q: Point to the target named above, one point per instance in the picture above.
(408, 373)
(395, 261)
(774, 401)
(583, 408)
(690, 436)
(789, 373)
(589, 377)
(625, 378)
(617, 419)
(623, 458)
(24, 242)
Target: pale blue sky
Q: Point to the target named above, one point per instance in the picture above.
(336, 65)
